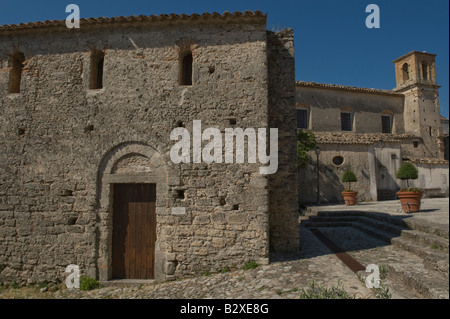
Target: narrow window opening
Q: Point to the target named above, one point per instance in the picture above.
(416, 144)
(100, 73)
(424, 71)
(186, 69)
(236, 207)
(96, 75)
(346, 122)
(386, 124)
(15, 75)
(446, 148)
(302, 119)
(405, 71)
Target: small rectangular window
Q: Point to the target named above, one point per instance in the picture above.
(386, 124)
(15, 75)
(425, 71)
(96, 70)
(346, 121)
(186, 69)
(302, 119)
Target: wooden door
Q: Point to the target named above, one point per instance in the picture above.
(134, 231)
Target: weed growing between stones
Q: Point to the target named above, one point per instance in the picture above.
(250, 265)
(87, 283)
(320, 292)
(225, 269)
(382, 292)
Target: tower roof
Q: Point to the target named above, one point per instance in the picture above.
(411, 53)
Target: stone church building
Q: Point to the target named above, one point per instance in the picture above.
(86, 176)
(372, 131)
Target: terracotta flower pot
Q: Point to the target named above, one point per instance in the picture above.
(410, 201)
(350, 197)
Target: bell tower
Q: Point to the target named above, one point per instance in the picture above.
(415, 75)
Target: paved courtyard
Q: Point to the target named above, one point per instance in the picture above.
(287, 275)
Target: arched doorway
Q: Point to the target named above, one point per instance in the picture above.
(132, 190)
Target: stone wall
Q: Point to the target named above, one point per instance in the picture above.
(283, 184)
(433, 178)
(63, 146)
(357, 158)
(326, 105)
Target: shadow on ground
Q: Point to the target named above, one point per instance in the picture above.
(346, 233)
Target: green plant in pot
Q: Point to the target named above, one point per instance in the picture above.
(349, 194)
(409, 197)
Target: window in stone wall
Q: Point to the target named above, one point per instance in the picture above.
(424, 71)
(96, 70)
(15, 74)
(446, 148)
(386, 124)
(338, 160)
(405, 71)
(186, 62)
(302, 118)
(346, 121)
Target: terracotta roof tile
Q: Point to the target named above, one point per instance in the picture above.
(226, 16)
(426, 160)
(360, 138)
(346, 88)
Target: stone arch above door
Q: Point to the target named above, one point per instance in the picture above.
(128, 163)
(131, 162)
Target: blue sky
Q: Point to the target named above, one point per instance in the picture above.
(332, 42)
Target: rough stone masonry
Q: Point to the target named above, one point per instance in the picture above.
(83, 110)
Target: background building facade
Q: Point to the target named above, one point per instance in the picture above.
(373, 131)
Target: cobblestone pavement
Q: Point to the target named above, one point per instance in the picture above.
(282, 279)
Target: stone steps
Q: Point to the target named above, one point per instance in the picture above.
(427, 283)
(429, 276)
(434, 241)
(371, 230)
(433, 258)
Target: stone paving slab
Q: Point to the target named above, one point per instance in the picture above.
(282, 279)
(287, 274)
(433, 210)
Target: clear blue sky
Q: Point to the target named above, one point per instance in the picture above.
(332, 42)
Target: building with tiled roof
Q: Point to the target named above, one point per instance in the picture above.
(372, 131)
(89, 117)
